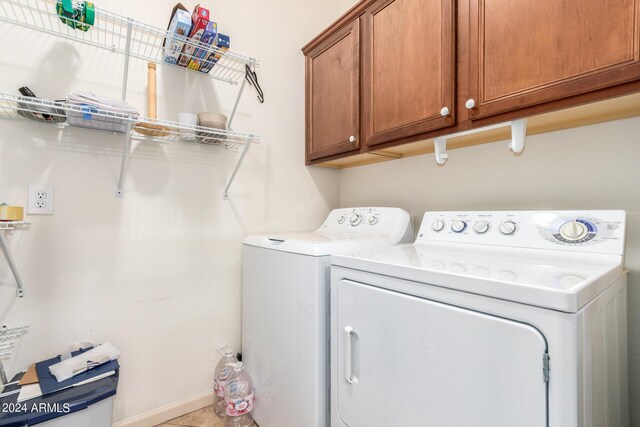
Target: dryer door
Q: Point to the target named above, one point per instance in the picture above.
(407, 361)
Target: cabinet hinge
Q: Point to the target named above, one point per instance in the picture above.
(545, 367)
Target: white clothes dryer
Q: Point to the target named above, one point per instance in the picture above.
(491, 319)
(285, 310)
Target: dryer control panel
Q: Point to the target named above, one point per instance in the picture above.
(580, 231)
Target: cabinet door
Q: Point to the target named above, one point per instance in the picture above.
(411, 362)
(527, 52)
(408, 68)
(333, 94)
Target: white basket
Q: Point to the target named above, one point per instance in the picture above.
(90, 118)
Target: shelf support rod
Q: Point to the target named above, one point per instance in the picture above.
(235, 106)
(127, 55)
(12, 265)
(516, 144)
(233, 175)
(126, 147)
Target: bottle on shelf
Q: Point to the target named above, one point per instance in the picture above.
(238, 393)
(220, 377)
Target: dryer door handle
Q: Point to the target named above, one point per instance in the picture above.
(349, 334)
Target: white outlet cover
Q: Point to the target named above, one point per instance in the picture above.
(40, 200)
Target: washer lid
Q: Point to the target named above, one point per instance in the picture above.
(315, 243)
(551, 279)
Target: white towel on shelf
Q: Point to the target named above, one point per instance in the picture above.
(101, 102)
(83, 362)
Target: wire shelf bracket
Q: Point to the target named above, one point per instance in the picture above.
(6, 251)
(64, 115)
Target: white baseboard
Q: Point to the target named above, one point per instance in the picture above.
(168, 412)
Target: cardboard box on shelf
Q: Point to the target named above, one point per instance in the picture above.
(179, 28)
(208, 38)
(223, 43)
(199, 19)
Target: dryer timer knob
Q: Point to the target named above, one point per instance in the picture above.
(458, 226)
(438, 225)
(508, 228)
(481, 227)
(355, 219)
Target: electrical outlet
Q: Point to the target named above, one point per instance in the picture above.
(40, 200)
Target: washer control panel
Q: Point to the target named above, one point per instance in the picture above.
(369, 221)
(355, 217)
(582, 231)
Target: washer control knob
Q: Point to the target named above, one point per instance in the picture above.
(458, 226)
(355, 219)
(438, 225)
(481, 227)
(341, 219)
(373, 220)
(573, 230)
(508, 228)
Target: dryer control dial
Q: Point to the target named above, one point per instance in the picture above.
(573, 230)
(355, 219)
(341, 219)
(373, 220)
(437, 225)
(508, 228)
(481, 227)
(576, 231)
(458, 226)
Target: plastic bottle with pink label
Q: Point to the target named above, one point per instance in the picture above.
(239, 395)
(220, 378)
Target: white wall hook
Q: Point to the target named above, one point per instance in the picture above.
(440, 144)
(518, 135)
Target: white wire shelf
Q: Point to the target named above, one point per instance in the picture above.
(13, 225)
(15, 107)
(8, 339)
(119, 34)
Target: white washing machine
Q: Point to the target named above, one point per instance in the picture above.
(285, 310)
(491, 319)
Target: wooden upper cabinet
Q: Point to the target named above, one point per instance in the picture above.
(408, 68)
(527, 52)
(333, 94)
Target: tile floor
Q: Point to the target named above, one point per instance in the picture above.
(204, 417)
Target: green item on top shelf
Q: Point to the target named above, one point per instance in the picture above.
(89, 13)
(65, 9)
(81, 18)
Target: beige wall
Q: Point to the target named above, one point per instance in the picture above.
(346, 5)
(593, 167)
(156, 273)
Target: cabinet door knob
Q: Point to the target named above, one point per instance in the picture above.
(352, 139)
(444, 112)
(471, 103)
